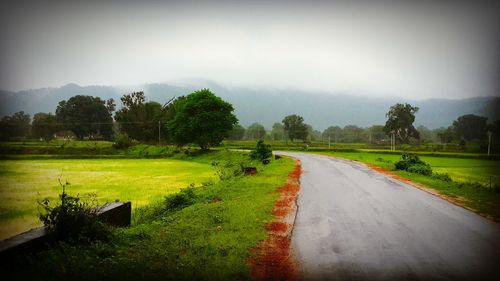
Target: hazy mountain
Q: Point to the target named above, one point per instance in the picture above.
(267, 106)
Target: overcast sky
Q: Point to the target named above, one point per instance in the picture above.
(415, 50)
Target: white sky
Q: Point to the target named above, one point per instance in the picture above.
(382, 48)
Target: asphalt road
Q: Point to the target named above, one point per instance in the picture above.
(354, 223)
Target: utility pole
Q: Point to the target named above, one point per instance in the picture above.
(489, 142)
(159, 132)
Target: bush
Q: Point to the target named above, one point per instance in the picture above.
(422, 169)
(229, 165)
(443, 177)
(184, 198)
(74, 221)
(413, 164)
(123, 141)
(262, 151)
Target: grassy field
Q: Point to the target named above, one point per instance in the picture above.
(23, 182)
(470, 185)
(208, 240)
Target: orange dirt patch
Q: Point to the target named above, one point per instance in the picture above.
(274, 260)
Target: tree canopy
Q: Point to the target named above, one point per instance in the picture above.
(201, 118)
(400, 121)
(294, 127)
(44, 126)
(17, 125)
(138, 118)
(86, 116)
(237, 133)
(471, 127)
(255, 132)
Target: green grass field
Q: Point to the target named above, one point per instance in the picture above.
(208, 240)
(23, 182)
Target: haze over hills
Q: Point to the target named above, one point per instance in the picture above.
(267, 106)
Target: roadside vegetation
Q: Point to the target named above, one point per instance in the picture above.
(201, 233)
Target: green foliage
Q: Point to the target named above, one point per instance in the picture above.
(44, 126)
(400, 121)
(86, 116)
(237, 133)
(470, 127)
(74, 220)
(140, 119)
(442, 176)
(229, 165)
(262, 151)
(182, 199)
(15, 126)
(202, 118)
(255, 132)
(123, 141)
(413, 164)
(295, 128)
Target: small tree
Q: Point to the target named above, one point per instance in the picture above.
(400, 121)
(201, 118)
(295, 128)
(262, 151)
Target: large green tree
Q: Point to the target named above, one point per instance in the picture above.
(400, 121)
(201, 118)
(141, 120)
(334, 133)
(255, 132)
(44, 126)
(15, 126)
(87, 116)
(278, 132)
(471, 127)
(295, 127)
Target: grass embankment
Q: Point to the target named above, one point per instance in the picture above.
(208, 240)
(470, 185)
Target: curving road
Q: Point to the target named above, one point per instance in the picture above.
(357, 224)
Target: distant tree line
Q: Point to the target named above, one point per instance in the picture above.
(205, 119)
(201, 118)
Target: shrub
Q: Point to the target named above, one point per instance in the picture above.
(423, 169)
(443, 177)
(262, 151)
(413, 164)
(74, 220)
(184, 198)
(123, 141)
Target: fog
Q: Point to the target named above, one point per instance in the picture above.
(377, 48)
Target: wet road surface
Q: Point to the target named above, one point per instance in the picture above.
(357, 224)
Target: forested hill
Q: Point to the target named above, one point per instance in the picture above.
(268, 106)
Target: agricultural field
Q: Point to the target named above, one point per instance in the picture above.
(209, 239)
(141, 181)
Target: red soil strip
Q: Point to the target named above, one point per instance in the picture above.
(274, 260)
